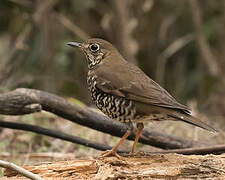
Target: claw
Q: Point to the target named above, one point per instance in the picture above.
(111, 153)
(131, 153)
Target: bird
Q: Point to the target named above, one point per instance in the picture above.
(125, 93)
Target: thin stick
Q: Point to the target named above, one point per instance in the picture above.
(20, 170)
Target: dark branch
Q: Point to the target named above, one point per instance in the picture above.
(217, 149)
(55, 134)
(19, 101)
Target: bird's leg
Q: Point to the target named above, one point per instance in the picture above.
(140, 127)
(113, 151)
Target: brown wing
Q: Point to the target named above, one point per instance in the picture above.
(126, 80)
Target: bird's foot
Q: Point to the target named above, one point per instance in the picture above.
(111, 153)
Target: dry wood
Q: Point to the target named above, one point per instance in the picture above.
(156, 166)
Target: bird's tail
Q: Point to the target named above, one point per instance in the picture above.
(191, 120)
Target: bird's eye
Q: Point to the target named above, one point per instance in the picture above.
(94, 47)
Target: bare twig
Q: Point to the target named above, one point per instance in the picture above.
(17, 102)
(204, 48)
(173, 48)
(19, 170)
(176, 46)
(72, 27)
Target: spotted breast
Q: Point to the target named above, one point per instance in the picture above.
(115, 107)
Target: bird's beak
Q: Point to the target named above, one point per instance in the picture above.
(74, 44)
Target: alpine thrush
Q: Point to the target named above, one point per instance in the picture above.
(125, 93)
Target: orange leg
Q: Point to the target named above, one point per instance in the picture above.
(113, 151)
(140, 127)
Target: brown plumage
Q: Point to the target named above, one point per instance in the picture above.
(125, 93)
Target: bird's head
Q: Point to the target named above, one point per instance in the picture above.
(96, 50)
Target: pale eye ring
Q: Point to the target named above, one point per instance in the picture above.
(94, 47)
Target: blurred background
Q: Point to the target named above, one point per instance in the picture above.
(179, 44)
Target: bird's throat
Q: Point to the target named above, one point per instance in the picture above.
(93, 60)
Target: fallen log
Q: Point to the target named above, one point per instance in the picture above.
(156, 166)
